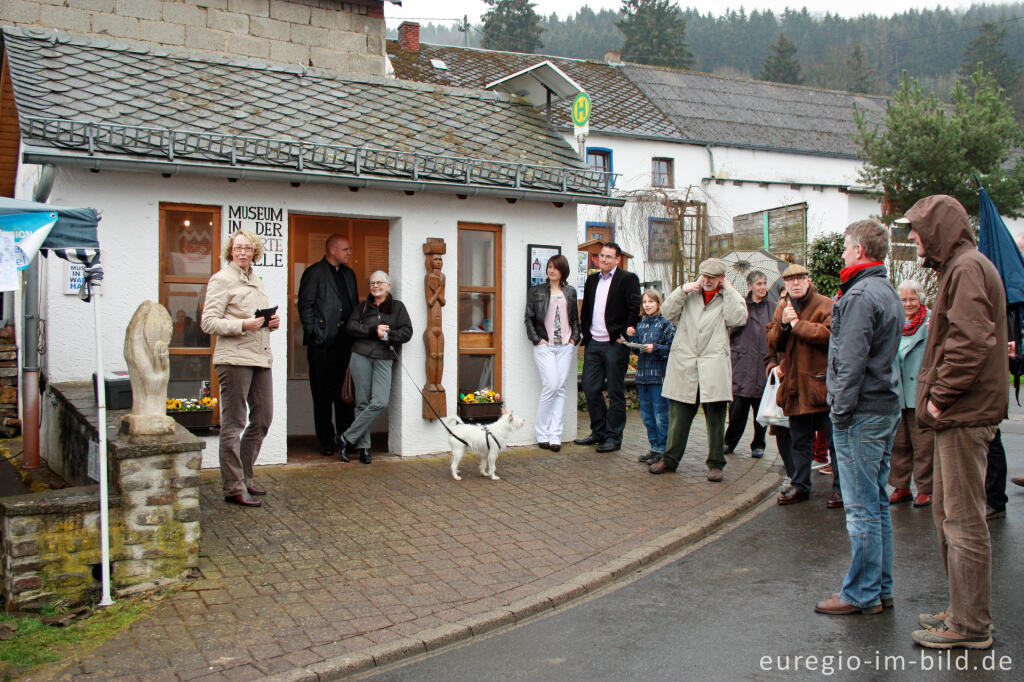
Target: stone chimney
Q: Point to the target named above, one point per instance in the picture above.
(613, 57)
(409, 36)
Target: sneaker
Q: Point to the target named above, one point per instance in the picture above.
(826, 470)
(650, 458)
(944, 638)
(991, 513)
(757, 453)
(922, 500)
(715, 475)
(900, 495)
(931, 621)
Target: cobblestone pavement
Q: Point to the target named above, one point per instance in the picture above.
(347, 566)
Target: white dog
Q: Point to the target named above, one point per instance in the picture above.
(487, 440)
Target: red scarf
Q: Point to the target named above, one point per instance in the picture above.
(911, 326)
(708, 295)
(848, 272)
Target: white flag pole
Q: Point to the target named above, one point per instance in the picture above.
(101, 427)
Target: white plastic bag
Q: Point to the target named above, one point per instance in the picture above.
(769, 413)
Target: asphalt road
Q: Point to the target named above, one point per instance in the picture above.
(740, 607)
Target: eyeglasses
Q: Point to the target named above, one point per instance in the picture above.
(242, 249)
(378, 283)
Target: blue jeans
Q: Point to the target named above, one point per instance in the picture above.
(654, 410)
(863, 451)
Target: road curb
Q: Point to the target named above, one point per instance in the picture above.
(550, 599)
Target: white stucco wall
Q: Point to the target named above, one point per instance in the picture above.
(129, 230)
(745, 181)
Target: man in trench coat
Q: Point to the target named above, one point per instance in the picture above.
(699, 372)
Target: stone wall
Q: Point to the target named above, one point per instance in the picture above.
(50, 540)
(10, 425)
(344, 36)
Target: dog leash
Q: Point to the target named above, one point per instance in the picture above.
(440, 420)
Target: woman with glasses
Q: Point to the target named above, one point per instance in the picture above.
(242, 359)
(379, 324)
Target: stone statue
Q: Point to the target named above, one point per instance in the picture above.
(149, 365)
(433, 337)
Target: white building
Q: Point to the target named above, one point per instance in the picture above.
(729, 147)
(177, 148)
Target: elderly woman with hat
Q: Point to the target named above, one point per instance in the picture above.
(699, 372)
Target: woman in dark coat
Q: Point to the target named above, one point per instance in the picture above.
(749, 349)
(378, 324)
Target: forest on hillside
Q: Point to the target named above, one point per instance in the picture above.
(928, 43)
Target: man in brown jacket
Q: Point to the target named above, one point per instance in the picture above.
(962, 395)
(798, 334)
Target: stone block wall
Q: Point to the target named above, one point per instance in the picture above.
(50, 540)
(10, 425)
(330, 34)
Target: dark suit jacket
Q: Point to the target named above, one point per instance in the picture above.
(323, 309)
(622, 309)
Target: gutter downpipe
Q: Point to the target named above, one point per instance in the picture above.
(711, 160)
(30, 340)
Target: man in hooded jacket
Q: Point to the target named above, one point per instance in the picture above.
(962, 395)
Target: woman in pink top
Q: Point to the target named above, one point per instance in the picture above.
(553, 326)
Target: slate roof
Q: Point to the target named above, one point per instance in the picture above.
(646, 101)
(84, 94)
(617, 104)
(729, 111)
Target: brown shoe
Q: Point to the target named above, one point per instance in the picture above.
(900, 495)
(715, 475)
(554, 447)
(1017, 480)
(253, 490)
(835, 500)
(544, 446)
(660, 468)
(922, 500)
(242, 499)
(834, 606)
(792, 496)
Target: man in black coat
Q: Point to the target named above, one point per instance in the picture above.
(327, 296)
(611, 304)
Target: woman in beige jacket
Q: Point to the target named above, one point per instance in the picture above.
(242, 358)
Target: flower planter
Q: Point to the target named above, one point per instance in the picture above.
(193, 419)
(479, 412)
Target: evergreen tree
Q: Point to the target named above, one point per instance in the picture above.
(924, 147)
(782, 66)
(988, 51)
(824, 261)
(655, 33)
(860, 76)
(511, 25)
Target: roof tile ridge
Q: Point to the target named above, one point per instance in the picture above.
(471, 48)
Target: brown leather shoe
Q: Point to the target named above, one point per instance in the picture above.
(253, 490)
(835, 500)
(900, 495)
(887, 602)
(544, 446)
(242, 499)
(792, 496)
(660, 468)
(834, 606)
(1017, 480)
(554, 447)
(922, 500)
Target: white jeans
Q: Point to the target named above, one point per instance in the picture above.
(553, 363)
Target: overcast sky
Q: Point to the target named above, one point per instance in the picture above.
(426, 10)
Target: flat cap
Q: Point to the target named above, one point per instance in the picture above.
(712, 267)
(795, 270)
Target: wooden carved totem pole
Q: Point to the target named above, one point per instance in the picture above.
(433, 337)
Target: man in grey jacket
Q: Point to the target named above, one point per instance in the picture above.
(865, 408)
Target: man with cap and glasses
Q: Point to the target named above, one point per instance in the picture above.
(699, 372)
(962, 395)
(798, 335)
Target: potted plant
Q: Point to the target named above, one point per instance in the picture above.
(480, 406)
(192, 413)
